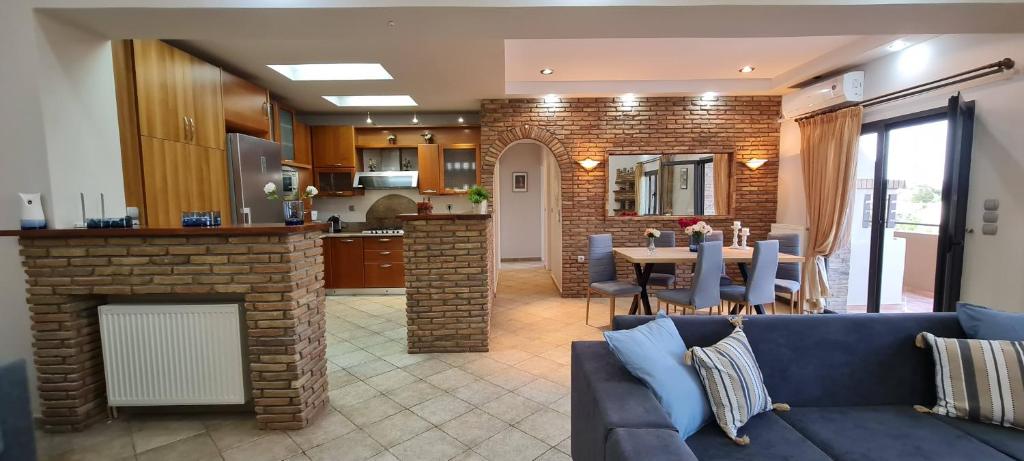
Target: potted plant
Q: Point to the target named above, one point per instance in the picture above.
(479, 197)
(696, 229)
(294, 210)
(651, 234)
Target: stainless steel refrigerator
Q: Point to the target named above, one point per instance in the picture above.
(252, 163)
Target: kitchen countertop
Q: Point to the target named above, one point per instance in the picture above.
(230, 229)
(444, 217)
(358, 234)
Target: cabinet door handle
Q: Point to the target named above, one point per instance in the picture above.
(192, 122)
(266, 110)
(348, 241)
(429, 191)
(383, 240)
(385, 253)
(188, 129)
(385, 266)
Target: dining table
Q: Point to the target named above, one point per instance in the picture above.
(643, 261)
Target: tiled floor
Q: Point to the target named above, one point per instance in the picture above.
(508, 404)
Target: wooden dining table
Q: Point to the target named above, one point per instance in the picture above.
(643, 261)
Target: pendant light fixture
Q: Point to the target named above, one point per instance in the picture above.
(415, 119)
(461, 120)
(369, 121)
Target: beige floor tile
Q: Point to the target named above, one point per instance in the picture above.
(352, 358)
(370, 410)
(469, 455)
(427, 368)
(274, 447)
(511, 379)
(484, 367)
(414, 393)
(433, 445)
(511, 445)
(149, 432)
(339, 378)
(563, 405)
(352, 393)
(398, 428)
(402, 359)
(326, 426)
(354, 446)
(370, 369)
(554, 455)
(543, 391)
(229, 431)
(511, 408)
(565, 446)
(474, 427)
(368, 341)
(299, 457)
(441, 409)
(479, 392)
(510, 356)
(451, 379)
(384, 456)
(391, 380)
(547, 425)
(113, 448)
(199, 447)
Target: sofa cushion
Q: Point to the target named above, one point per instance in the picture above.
(1007, 440)
(773, 439)
(983, 323)
(884, 432)
(653, 352)
(732, 381)
(646, 445)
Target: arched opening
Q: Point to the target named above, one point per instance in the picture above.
(527, 209)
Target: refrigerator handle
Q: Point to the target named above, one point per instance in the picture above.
(263, 165)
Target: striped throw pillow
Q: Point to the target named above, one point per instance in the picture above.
(732, 381)
(977, 379)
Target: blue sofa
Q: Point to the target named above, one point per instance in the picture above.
(852, 381)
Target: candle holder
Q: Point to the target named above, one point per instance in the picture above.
(735, 234)
(744, 233)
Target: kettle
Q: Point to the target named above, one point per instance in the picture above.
(335, 222)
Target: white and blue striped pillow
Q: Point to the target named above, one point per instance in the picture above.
(732, 381)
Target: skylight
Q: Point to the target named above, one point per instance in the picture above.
(372, 101)
(348, 71)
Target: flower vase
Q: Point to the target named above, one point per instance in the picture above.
(650, 245)
(695, 240)
(482, 207)
(294, 212)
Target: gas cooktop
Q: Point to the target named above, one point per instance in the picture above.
(384, 232)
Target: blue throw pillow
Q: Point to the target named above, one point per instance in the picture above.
(984, 323)
(653, 352)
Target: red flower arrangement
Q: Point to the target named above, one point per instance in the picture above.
(687, 222)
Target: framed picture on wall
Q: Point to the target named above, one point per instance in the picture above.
(519, 181)
(684, 179)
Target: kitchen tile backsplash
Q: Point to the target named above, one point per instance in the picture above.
(327, 206)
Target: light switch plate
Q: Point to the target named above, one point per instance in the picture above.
(581, 259)
(989, 229)
(991, 204)
(990, 217)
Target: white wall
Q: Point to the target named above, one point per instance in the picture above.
(992, 264)
(521, 212)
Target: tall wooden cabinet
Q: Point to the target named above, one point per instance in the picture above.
(246, 106)
(179, 161)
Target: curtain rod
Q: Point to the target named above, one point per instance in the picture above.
(972, 74)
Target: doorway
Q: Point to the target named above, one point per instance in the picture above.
(527, 200)
(907, 212)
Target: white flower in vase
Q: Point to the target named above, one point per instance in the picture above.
(270, 190)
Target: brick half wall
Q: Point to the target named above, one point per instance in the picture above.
(577, 128)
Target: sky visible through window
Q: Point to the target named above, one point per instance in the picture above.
(917, 157)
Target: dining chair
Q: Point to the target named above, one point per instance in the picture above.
(664, 275)
(603, 280)
(719, 236)
(760, 286)
(787, 277)
(704, 293)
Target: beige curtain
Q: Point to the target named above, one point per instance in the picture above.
(721, 166)
(666, 187)
(638, 177)
(828, 153)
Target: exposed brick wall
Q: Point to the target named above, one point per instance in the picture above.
(279, 279)
(449, 273)
(577, 128)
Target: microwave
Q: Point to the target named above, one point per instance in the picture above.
(289, 180)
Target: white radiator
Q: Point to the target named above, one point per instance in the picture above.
(172, 354)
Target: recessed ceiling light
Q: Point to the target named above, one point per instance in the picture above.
(747, 69)
(332, 71)
(547, 71)
(372, 101)
(897, 45)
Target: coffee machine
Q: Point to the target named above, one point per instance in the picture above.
(336, 224)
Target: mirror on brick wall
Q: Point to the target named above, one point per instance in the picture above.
(669, 184)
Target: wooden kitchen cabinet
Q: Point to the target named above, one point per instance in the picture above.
(385, 275)
(333, 146)
(429, 160)
(460, 167)
(179, 96)
(183, 177)
(246, 106)
(384, 263)
(303, 148)
(346, 261)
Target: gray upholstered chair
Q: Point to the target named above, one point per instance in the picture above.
(719, 236)
(787, 277)
(603, 281)
(760, 287)
(664, 275)
(704, 293)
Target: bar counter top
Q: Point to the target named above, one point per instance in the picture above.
(444, 217)
(231, 229)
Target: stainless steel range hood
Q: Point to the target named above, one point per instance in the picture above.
(387, 179)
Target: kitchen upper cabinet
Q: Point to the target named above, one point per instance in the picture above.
(334, 146)
(303, 149)
(429, 160)
(346, 262)
(246, 106)
(183, 177)
(284, 131)
(179, 96)
(459, 167)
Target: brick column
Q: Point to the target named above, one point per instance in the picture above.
(277, 278)
(449, 279)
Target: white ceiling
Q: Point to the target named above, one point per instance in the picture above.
(448, 58)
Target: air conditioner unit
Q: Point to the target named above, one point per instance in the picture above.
(845, 88)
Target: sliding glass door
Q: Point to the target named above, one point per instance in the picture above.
(906, 216)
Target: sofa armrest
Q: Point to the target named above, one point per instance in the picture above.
(647, 445)
(606, 396)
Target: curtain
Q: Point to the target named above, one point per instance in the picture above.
(638, 175)
(721, 166)
(665, 183)
(828, 153)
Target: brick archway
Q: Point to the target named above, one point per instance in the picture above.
(501, 142)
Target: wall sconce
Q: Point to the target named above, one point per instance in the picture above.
(755, 163)
(589, 163)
